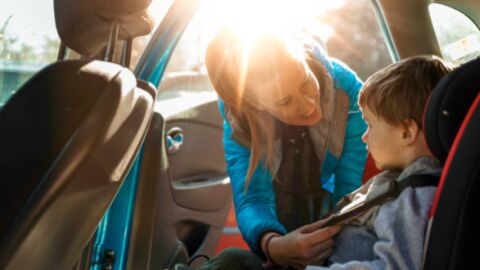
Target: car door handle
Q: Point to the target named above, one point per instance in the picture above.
(174, 140)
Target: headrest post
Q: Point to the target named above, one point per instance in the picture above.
(127, 52)
(62, 51)
(112, 42)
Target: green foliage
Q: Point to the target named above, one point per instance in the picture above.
(19, 59)
(13, 48)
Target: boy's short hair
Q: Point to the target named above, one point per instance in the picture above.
(400, 91)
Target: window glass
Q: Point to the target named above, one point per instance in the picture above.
(186, 73)
(457, 35)
(28, 42)
(348, 27)
(355, 37)
(158, 10)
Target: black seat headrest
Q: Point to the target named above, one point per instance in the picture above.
(448, 105)
(84, 26)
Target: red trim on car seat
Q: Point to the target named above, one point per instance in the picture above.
(452, 151)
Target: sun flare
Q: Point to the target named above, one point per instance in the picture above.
(252, 17)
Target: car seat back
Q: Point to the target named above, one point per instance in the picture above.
(68, 138)
(452, 129)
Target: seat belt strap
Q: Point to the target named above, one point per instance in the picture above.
(383, 193)
(419, 180)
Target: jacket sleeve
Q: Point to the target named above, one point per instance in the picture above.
(349, 171)
(254, 207)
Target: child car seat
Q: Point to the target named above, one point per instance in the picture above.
(452, 131)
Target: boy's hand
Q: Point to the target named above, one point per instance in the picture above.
(308, 245)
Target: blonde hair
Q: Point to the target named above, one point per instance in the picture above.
(400, 91)
(232, 65)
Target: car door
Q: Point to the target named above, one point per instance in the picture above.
(183, 194)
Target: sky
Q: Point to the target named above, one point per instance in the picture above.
(34, 19)
(31, 19)
(36, 16)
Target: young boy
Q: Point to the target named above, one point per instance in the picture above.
(391, 235)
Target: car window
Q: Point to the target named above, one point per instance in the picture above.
(28, 42)
(354, 36)
(158, 10)
(457, 35)
(349, 28)
(186, 72)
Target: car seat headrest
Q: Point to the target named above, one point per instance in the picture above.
(84, 26)
(448, 105)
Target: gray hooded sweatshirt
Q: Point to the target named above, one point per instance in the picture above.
(390, 236)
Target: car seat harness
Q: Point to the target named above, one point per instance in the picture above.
(349, 208)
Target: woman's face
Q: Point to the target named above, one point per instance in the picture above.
(292, 94)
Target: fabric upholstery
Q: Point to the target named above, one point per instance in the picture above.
(448, 105)
(84, 26)
(452, 128)
(68, 137)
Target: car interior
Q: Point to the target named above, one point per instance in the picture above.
(112, 156)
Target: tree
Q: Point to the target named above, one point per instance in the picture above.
(50, 49)
(4, 40)
(357, 40)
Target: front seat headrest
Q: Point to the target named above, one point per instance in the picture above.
(448, 105)
(84, 26)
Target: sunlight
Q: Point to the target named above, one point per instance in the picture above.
(252, 17)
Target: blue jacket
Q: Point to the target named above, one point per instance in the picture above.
(255, 209)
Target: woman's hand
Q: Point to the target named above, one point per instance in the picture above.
(308, 245)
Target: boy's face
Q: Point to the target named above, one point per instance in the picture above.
(383, 141)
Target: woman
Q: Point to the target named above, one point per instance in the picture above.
(292, 140)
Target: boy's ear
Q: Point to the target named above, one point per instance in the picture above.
(411, 131)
